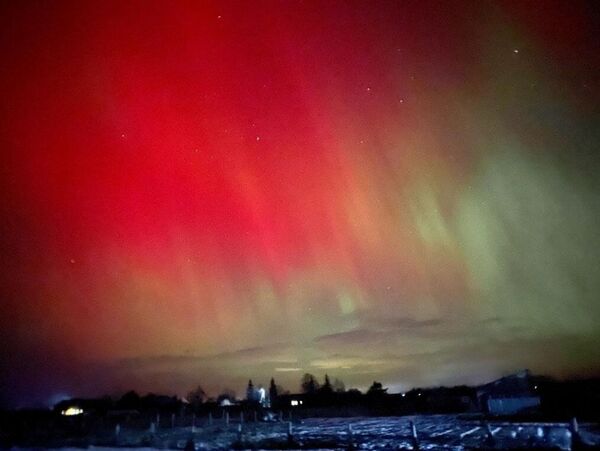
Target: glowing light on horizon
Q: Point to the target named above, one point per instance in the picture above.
(72, 411)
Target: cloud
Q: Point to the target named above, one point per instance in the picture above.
(275, 353)
(360, 335)
(352, 362)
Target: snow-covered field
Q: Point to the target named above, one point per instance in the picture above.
(433, 432)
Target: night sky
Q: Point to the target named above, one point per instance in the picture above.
(203, 193)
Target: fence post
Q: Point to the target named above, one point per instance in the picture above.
(226, 418)
(241, 417)
(574, 426)
(414, 435)
(210, 418)
(574, 437)
(489, 435)
(193, 422)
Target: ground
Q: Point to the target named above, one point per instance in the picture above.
(433, 432)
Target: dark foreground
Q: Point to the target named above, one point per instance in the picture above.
(432, 432)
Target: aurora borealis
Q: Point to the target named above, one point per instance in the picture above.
(207, 192)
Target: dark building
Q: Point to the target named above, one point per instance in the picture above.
(509, 395)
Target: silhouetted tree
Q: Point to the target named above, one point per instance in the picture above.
(326, 388)
(273, 392)
(309, 383)
(250, 392)
(338, 386)
(160, 402)
(196, 396)
(354, 392)
(376, 389)
(130, 400)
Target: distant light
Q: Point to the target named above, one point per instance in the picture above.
(403, 395)
(294, 402)
(535, 387)
(516, 51)
(419, 394)
(71, 411)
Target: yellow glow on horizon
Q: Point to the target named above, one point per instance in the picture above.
(71, 411)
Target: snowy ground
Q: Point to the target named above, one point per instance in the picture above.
(433, 432)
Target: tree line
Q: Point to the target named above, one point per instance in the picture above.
(308, 384)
